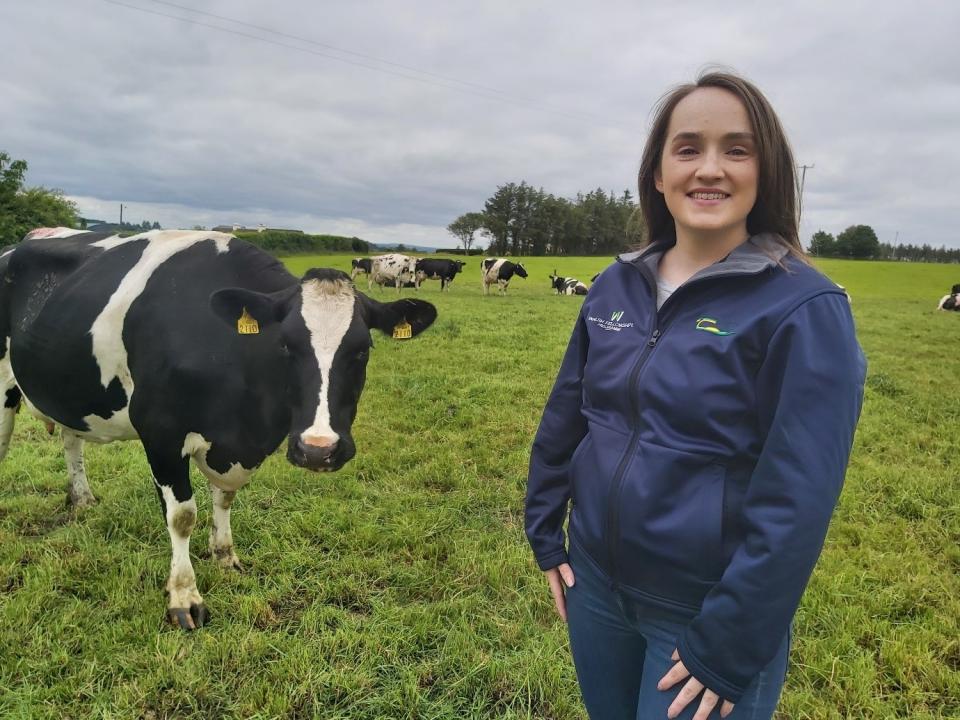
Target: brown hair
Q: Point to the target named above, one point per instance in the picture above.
(775, 210)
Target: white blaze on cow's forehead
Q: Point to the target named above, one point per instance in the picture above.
(107, 329)
(327, 310)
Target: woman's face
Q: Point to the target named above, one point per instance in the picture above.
(708, 169)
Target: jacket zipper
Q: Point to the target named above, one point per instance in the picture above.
(660, 326)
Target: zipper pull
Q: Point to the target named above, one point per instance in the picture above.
(654, 338)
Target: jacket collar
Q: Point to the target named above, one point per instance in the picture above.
(754, 255)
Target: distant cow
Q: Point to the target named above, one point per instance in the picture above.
(567, 285)
(499, 271)
(360, 266)
(393, 269)
(201, 346)
(438, 269)
(951, 301)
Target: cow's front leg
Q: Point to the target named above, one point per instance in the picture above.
(221, 536)
(78, 494)
(185, 607)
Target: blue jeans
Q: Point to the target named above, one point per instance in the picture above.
(621, 649)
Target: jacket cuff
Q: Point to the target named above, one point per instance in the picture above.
(552, 560)
(701, 672)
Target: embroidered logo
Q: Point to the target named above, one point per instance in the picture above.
(710, 325)
(614, 324)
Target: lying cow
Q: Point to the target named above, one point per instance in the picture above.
(567, 285)
(360, 266)
(951, 301)
(499, 271)
(438, 269)
(392, 269)
(201, 346)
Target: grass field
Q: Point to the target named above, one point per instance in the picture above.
(402, 586)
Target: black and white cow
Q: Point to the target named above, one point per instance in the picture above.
(359, 266)
(201, 346)
(567, 285)
(438, 269)
(951, 301)
(393, 269)
(499, 271)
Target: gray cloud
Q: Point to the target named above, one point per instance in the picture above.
(183, 121)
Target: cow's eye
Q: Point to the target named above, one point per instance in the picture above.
(362, 355)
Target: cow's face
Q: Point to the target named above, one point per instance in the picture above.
(556, 282)
(325, 328)
(520, 270)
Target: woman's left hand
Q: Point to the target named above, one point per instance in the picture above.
(689, 692)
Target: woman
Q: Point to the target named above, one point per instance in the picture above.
(701, 425)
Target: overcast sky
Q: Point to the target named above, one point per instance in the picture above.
(388, 120)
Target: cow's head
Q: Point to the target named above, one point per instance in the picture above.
(556, 282)
(519, 270)
(324, 325)
(459, 264)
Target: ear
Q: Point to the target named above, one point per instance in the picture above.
(389, 318)
(230, 304)
(658, 180)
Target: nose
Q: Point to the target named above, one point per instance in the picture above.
(710, 167)
(320, 447)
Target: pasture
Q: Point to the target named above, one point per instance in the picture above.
(402, 586)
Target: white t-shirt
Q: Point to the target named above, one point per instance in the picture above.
(664, 290)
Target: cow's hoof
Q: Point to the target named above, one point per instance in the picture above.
(80, 500)
(227, 558)
(189, 619)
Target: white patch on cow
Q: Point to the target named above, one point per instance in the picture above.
(221, 535)
(6, 252)
(79, 491)
(181, 518)
(8, 416)
(56, 232)
(197, 446)
(107, 329)
(488, 276)
(392, 268)
(327, 310)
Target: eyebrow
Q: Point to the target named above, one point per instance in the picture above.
(698, 136)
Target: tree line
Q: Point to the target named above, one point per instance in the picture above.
(519, 219)
(860, 242)
(24, 208)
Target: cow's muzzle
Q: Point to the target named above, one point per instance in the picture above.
(321, 454)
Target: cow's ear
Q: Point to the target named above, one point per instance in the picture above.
(401, 319)
(247, 310)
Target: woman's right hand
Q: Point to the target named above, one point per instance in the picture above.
(560, 578)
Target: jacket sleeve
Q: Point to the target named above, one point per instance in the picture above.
(809, 394)
(562, 427)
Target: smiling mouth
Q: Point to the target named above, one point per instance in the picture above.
(708, 196)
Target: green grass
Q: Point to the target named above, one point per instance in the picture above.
(402, 586)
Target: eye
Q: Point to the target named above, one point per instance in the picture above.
(362, 355)
(687, 150)
(739, 152)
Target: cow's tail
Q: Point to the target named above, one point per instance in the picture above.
(9, 392)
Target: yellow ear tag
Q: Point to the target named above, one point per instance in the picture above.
(247, 325)
(403, 331)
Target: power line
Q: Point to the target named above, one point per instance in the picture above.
(429, 78)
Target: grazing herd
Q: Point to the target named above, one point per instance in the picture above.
(403, 271)
(204, 347)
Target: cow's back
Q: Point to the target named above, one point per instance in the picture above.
(108, 333)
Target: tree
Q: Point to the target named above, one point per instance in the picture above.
(823, 244)
(858, 241)
(23, 209)
(465, 227)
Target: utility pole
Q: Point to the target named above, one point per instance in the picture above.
(121, 215)
(803, 177)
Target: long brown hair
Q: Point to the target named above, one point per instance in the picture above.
(775, 210)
